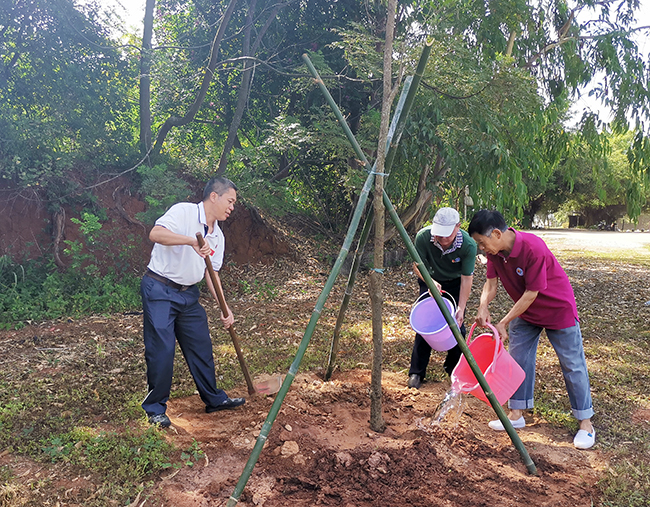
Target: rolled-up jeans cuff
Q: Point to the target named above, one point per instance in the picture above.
(581, 415)
(520, 404)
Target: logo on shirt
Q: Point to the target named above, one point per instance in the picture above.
(520, 271)
(211, 252)
(457, 259)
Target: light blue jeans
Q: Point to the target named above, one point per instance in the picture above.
(524, 338)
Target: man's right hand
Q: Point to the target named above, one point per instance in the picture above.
(203, 251)
(227, 321)
(438, 286)
(482, 316)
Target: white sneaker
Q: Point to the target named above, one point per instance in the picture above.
(497, 425)
(584, 439)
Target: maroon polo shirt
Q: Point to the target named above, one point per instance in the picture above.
(532, 266)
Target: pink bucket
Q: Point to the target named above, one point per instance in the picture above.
(501, 371)
(428, 321)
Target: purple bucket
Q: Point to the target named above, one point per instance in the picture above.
(428, 321)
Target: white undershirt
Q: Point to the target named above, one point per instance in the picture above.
(181, 263)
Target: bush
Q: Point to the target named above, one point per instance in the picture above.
(35, 290)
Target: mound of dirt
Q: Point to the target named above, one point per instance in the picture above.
(321, 451)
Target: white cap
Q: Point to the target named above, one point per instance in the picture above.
(444, 222)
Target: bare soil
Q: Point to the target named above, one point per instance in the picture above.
(321, 451)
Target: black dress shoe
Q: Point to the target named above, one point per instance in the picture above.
(160, 420)
(227, 404)
(415, 381)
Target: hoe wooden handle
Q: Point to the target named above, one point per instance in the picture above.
(224, 310)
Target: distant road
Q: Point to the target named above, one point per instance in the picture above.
(595, 240)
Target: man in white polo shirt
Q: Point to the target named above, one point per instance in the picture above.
(170, 298)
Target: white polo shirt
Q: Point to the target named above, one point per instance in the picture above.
(181, 263)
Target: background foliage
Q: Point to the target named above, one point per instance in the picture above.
(492, 114)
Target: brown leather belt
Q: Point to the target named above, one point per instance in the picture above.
(166, 281)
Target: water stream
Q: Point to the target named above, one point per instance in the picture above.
(447, 414)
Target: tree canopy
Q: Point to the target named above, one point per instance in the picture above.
(491, 113)
(66, 93)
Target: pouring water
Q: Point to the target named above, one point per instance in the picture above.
(450, 409)
(447, 414)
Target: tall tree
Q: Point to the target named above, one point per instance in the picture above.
(376, 292)
(145, 77)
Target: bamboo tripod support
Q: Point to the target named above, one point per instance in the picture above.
(354, 224)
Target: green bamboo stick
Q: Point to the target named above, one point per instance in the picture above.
(334, 348)
(528, 462)
(320, 303)
(396, 127)
(405, 102)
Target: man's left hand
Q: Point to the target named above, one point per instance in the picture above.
(228, 321)
(460, 316)
(502, 330)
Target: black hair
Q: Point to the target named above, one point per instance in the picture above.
(485, 221)
(219, 185)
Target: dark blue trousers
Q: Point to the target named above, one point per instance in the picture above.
(422, 350)
(169, 315)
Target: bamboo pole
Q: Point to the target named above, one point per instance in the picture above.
(406, 100)
(407, 97)
(320, 303)
(334, 347)
(397, 126)
(275, 408)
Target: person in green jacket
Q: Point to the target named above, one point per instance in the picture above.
(449, 254)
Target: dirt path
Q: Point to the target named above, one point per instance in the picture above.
(321, 451)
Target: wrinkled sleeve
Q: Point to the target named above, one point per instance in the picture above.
(170, 220)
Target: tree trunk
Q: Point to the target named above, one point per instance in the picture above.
(145, 78)
(246, 79)
(411, 217)
(57, 232)
(244, 89)
(531, 209)
(175, 121)
(376, 291)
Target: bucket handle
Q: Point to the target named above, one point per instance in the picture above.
(443, 293)
(497, 341)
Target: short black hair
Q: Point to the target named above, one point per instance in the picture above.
(485, 221)
(219, 185)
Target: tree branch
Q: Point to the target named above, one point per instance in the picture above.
(559, 42)
(175, 121)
